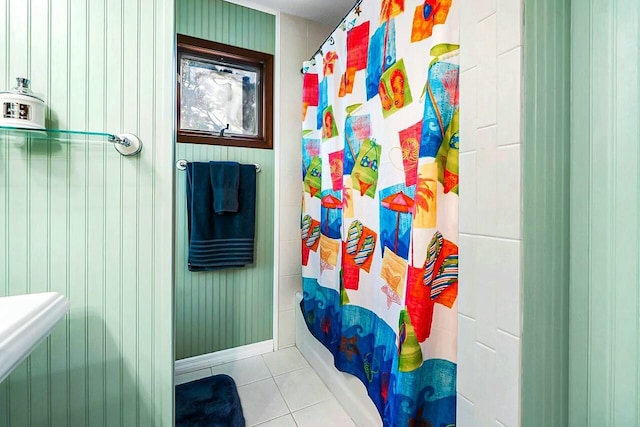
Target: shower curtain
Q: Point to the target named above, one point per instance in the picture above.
(379, 217)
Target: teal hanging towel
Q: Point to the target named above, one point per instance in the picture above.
(219, 240)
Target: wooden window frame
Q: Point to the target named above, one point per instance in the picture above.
(232, 55)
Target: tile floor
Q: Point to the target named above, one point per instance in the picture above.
(280, 389)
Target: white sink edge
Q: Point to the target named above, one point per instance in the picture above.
(17, 344)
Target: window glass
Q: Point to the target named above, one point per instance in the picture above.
(215, 95)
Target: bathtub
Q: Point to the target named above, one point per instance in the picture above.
(347, 388)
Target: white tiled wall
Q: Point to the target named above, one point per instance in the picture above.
(489, 325)
(299, 39)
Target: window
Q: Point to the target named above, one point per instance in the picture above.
(225, 94)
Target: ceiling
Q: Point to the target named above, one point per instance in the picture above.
(328, 12)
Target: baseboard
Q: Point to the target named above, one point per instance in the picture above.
(184, 366)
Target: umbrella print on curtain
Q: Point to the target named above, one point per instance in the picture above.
(400, 203)
(396, 208)
(394, 260)
(329, 202)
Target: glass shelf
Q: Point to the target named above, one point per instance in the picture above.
(125, 144)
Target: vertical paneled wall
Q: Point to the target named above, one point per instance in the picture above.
(605, 214)
(78, 218)
(489, 328)
(299, 39)
(546, 149)
(229, 308)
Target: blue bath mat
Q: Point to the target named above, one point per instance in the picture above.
(209, 402)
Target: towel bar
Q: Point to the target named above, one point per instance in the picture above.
(182, 165)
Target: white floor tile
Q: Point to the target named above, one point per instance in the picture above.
(280, 389)
(283, 361)
(244, 371)
(286, 421)
(261, 402)
(302, 388)
(325, 414)
(192, 376)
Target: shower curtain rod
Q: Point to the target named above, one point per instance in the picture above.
(332, 31)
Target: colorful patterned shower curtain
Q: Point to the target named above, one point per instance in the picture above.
(380, 206)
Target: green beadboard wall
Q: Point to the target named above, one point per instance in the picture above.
(605, 214)
(78, 218)
(546, 150)
(230, 308)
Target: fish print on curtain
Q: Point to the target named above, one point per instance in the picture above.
(380, 207)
